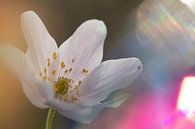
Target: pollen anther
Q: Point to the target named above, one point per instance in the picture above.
(54, 56)
(48, 62)
(70, 69)
(53, 72)
(45, 71)
(66, 71)
(40, 74)
(74, 98)
(80, 82)
(73, 60)
(62, 64)
(85, 72)
(44, 78)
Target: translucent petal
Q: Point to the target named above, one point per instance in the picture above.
(109, 76)
(18, 64)
(82, 115)
(41, 46)
(84, 49)
(116, 101)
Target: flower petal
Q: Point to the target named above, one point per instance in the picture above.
(82, 115)
(62, 105)
(116, 101)
(84, 49)
(41, 45)
(16, 61)
(34, 95)
(109, 76)
(75, 111)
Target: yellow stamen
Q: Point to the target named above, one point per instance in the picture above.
(62, 64)
(54, 56)
(77, 89)
(48, 62)
(40, 74)
(85, 72)
(66, 71)
(74, 98)
(53, 72)
(44, 78)
(45, 71)
(70, 69)
(80, 82)
(73, 60)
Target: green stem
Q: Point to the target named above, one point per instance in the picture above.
(50, 118)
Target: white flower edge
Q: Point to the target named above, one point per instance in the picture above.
(102, 79)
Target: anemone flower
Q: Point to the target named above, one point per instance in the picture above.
(72, 79)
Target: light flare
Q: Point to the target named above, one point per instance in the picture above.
(190, 4)
(187, 1)
(186, 98)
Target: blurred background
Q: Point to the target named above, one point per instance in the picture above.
(159, 32)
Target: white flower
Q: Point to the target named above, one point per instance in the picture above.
(71, 78)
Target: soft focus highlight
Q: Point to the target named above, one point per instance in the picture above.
(186, 103)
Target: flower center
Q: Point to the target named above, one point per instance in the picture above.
(65, 88)
(62, 86)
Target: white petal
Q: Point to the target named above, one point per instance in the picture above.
(85, 47)
(116, 101)
(41, 45)
(34, 95)
(62, 105)
(18, 65)
(109, 76)
(74, 111)
(83, 115)
(15, 60)
(36, 90)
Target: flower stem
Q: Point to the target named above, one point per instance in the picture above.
(50, 117)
